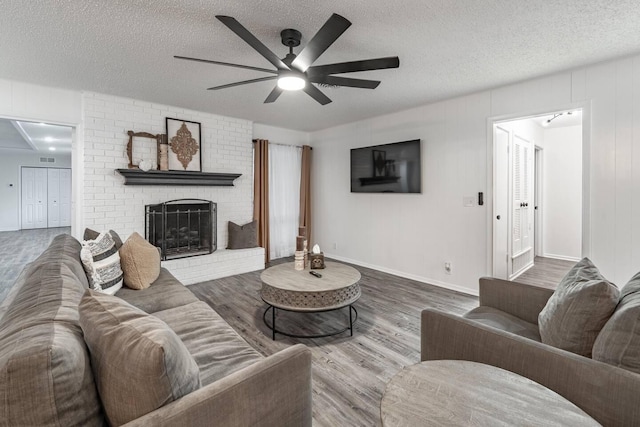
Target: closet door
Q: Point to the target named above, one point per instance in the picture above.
(34, 197)
(53, 196)
(65, 198)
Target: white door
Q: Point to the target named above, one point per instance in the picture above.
(521, 204)
(53, 197)
(34, 197)
(65, 198)
(501, 203)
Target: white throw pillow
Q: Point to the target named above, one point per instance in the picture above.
(101, 262)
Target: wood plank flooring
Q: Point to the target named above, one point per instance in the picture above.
(546, 272)
(349, 373)
(18, 248)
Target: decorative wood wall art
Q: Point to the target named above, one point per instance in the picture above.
(185, 148)
(158, 138)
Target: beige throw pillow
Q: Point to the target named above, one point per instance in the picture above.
(138, 362)
(578, 309)
(140, 262)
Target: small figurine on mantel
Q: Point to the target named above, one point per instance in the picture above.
(316, 258)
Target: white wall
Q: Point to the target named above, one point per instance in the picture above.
(562, 193)
(10, 164)
(108, 203)
(280, 135)
(415, 234)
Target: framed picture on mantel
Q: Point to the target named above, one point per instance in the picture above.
(185, 145)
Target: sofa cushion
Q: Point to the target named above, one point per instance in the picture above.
(102, 263)
(140, 262)
(618, 343)
(45, 370)
(243, 236)
(216, 347)
(578, 309)
(166, 292)
(504, 321)
(138, 361)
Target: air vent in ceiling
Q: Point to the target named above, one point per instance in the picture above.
(47, 160)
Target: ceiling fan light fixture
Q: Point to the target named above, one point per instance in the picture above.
(291, 82)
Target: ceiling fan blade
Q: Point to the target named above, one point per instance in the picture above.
(330, 31)
(245, 35)
(228, 64)
(344, 81)
(275, 93)
(316, 94)
(244, 82)
(354, 66)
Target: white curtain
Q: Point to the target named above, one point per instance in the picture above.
(285, 164)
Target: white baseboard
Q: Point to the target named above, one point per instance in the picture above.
(8, 229)
(562, 257)
(415, 277)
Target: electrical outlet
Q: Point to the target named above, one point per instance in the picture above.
(334, 245)
(447, 267)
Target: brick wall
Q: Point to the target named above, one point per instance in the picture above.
(109, 204)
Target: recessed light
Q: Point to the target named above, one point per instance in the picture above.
(52, 148)
(48, 139)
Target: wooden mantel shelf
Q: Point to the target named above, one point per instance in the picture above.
(154, 177)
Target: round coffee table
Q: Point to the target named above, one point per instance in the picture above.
(286, 288)
(460, 393)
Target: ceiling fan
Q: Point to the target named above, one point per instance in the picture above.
(295, 72)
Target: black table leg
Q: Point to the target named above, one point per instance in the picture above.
(273, 322)
(350, 321)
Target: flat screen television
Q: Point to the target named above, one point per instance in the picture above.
(388, 168)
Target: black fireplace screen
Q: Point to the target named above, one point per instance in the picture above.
(182, 228)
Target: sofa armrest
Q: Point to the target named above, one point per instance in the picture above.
(273, 391)
(518, 299)
(605, 392)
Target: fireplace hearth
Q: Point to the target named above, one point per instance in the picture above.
(182, 228)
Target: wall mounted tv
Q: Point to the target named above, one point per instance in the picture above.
(388, 168)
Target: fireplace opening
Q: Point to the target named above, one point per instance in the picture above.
(182, 228)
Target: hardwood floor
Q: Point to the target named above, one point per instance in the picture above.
(349, 373)
(18, 248)
(546, 272)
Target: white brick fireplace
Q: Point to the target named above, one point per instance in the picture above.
(109, 204)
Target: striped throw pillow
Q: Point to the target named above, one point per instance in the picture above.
(101, 262)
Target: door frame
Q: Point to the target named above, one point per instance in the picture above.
(586, 171)
(538, 164)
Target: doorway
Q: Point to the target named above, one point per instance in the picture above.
(35, 151)
(537, 191)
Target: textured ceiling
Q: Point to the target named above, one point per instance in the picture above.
(446, 48)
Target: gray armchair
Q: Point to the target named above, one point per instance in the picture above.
(502, 332)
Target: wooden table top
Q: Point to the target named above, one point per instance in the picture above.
(462, 393)
(285, 287)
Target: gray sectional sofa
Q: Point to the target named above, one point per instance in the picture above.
(504, 332)
(46, 377)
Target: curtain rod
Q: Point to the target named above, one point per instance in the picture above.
(284, 145)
